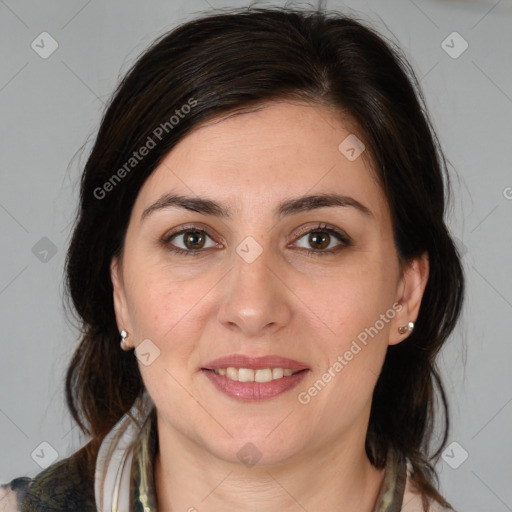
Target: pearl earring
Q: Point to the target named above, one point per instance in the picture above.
(408, 327)
(124, 335)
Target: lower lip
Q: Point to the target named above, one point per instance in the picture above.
(254, 391)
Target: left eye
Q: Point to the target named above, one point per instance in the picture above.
(323, 240)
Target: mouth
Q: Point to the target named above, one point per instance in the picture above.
(249, 379)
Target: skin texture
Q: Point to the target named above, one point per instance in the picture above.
(288, 302)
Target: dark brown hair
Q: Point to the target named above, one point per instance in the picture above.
(236, 59)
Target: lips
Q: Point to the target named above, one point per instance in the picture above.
(254, 391)
(254, 378)
(255, 363)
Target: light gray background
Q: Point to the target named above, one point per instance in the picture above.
(50, 107)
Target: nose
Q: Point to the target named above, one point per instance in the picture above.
(255, 299)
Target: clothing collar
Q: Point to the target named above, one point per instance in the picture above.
(124, 476)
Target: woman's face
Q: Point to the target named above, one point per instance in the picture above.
(258, 277)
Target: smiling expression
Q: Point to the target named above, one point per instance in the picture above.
(256, 237)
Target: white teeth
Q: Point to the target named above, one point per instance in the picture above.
(250, 375)
(232, 373)
(277, 373)
(245, 375)
(264, 375)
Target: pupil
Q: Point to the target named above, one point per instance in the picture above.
(192, 238)
(316, 239)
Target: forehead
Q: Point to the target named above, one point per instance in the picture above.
(260, 157)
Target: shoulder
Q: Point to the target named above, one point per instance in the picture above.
(412, 501)
(13, 493)
(66, 485)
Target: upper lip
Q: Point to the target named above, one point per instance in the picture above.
(255, 363)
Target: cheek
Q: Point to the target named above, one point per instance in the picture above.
(351, 298)
(356, 308)
(157, 301)
(172, 313)
(167, 315)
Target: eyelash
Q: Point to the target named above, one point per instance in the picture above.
(342, 237)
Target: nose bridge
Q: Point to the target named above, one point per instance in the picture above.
(254, 299)
(251, 267)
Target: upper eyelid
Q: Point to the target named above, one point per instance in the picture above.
(192, 227)
(322, 226)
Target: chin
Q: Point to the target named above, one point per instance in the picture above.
(256, 449)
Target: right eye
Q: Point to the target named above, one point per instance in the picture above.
(193, 241)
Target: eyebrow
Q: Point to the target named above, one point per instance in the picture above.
(288, 207)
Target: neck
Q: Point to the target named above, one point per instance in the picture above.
(187, 478)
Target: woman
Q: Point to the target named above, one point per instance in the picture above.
(261, 224)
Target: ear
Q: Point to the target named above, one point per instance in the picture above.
(409, 294)
(119, 297)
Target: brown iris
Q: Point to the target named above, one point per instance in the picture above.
(319, 239)
(194, 239)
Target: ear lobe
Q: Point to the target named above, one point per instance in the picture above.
(409, 295)
(119, 298)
